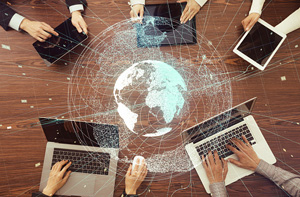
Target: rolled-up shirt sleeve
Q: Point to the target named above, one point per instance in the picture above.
(16, 21)
(257, 6)
(218, 189)
(288, 181)
(76, 7)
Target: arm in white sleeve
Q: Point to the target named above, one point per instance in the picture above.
(291, 23)
(135, 2)
(288, 181)
(76, 7)
(257, 6)
(201, 2)
(218, 189)
(15, 21)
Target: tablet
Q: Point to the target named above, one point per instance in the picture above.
(161, 26)
(56, 47)
(259, 44)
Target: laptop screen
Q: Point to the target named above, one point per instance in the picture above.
(161, 26)
(218, 123)
(80, 133)
(259, 43)
(57, 46)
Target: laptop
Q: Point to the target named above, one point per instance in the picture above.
(215, 133)
(259, 44)
(161, 26)
(56, 47)
(93, 150)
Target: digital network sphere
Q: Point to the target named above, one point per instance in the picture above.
(158, 88)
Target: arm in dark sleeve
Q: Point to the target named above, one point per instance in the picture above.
(288, 181)
(75, 2)
(38, 194)
(6, 13)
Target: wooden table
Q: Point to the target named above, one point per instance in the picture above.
(29, 89)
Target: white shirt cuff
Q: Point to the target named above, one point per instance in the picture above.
(135, 2)
(15, 21)
(201, 2)
(76, 7)
(257, 6)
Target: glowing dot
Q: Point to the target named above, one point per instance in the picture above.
(50, 99)
(84, 186)
(203, 57)
(20, 66)
(31, 107)
(23, 101)
(266, 104)
(283, 78)
(74, 142)
(62, 117)
(68, 78)
(296, 46)
(292, 155)
(209, 42)
(24, 74)
(37, 164)
(252, 68)
(284, 149)
(298, 123)
(66, 63)
(0, 125)
(9, 127)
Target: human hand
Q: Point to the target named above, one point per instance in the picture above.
(137, 13)
(133, 180)
(246, 155)
(250, 20)
(39, 30)
(216, 170)
(79, 22)
(57, 178)
(190, 10)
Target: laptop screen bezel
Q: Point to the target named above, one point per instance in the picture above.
(186, 137)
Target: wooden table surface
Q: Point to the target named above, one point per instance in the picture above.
(24, 76)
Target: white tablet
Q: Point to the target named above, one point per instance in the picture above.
(259, 44)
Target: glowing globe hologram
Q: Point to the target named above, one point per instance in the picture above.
(159, 86)
(151, 93)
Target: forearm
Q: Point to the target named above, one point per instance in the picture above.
(6, 14)
(257, 6)
(291, 23)
(288, 181)
(218, 189)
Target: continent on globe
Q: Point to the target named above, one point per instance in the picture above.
(149, 94)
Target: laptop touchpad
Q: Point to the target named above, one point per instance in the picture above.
(79, 184)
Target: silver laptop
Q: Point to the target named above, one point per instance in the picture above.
(215, 133)
(92, 148)
(260, 44)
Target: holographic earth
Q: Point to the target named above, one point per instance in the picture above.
(156, 84)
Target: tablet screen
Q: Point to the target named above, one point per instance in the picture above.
(57, 46)
(161, 26)
(259, 43)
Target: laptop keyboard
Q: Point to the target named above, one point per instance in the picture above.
(219, 143)
(83, 161)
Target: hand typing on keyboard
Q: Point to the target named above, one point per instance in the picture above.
(247, 157)
(216, 169)
(57, 178)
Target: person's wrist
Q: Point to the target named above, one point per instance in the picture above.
(130, 191)
(24, 24)
(77, 12)
(48, 192)
(255, 164)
